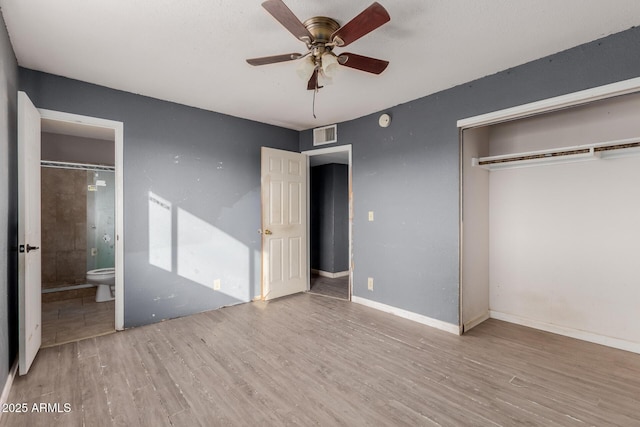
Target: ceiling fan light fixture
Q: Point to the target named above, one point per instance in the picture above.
(306, 67)
(324, 80)
(329, 64)
(321, 34)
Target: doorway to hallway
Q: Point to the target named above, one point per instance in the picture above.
(329, 221)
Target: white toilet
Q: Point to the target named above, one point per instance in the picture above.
(105, 278)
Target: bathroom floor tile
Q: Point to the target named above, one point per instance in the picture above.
(76, 318)
(71, 312)
(60, 304)
(99, 318)
(48, 335)
(49, 315)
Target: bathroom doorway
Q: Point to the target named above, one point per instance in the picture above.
(77, 211)
(78, 222)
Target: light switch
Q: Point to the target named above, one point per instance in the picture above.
(370, 215)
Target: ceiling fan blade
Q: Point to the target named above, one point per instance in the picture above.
(362, 63)
(368, 20)
(274, 59)
(285, 16)
(313, 81)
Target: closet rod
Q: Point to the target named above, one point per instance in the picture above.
(534, 156)
(570, 152)
(79, 166)
(616, 147)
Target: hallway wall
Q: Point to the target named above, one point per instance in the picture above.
(329, 218)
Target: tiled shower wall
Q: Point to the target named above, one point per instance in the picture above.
(64, 227)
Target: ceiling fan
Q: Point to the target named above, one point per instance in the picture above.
(322, 35)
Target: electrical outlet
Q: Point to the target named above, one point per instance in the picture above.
(370, 215)
(216, 285)
(370, 283)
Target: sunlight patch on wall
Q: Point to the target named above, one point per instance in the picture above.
(205, 251)
(159, 232)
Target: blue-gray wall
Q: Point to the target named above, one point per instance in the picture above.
(408, 173)
(207, 165)
(8, 204)
(329, 218)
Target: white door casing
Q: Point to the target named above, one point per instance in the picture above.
(346, 149)
(118, 130)
(29, 267)
(284, 223)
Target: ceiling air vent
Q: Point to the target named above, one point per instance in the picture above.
(325, 135)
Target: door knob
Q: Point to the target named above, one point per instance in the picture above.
(267, 232)
(32, 248)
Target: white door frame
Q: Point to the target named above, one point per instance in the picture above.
(118, 128)
(318, 152)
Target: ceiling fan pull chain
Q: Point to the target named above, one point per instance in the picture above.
(313, 106)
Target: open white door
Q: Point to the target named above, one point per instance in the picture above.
(29, 273)
(284, 223)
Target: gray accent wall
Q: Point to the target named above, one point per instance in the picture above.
(203, 169)
(8, 205)
(409, 173)
(329, 218)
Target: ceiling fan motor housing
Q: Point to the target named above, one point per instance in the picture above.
(321, 28)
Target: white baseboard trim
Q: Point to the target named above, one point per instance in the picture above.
(434, 323)
(618, 343)
(475, 322)
(4, 397)
(330, 275)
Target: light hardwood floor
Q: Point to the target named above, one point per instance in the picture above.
(309, 360)
(336, 288)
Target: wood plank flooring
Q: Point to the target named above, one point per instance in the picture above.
(331, 287)
(310, 360)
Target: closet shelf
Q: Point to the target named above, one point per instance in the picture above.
(81, 166)
(602, 150)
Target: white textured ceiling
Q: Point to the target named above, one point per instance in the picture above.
(193, 51)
